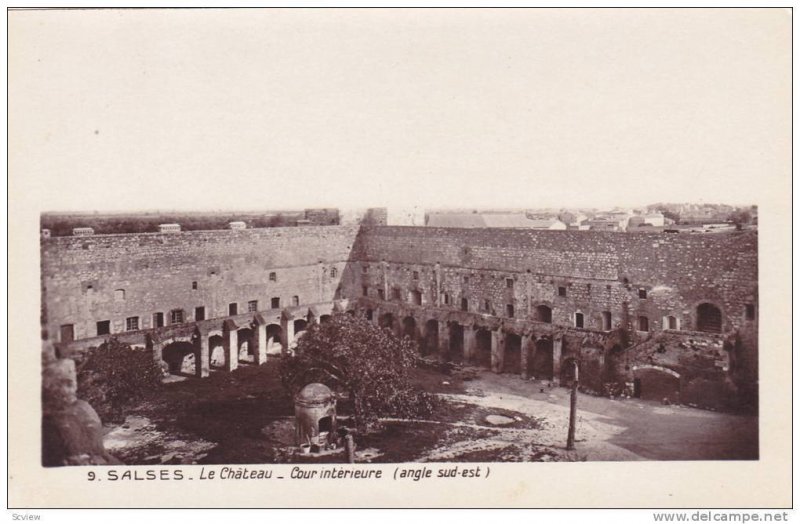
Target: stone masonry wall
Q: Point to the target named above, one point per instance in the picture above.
(156, 271)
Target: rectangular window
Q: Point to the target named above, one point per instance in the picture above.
(396, 293)
(295, 300)
(578, 320)
(132, 324)
(562, 291)
(273, 277)
(119, 294)
(194, 284)
(252, 306)
(642, 292)
(416, 297)
(644, 324)
(103, 327)
(446, 299)
(750, 312)
(466, 279)
(381, 294)
(369, 314)
(365, 291)
(275, 303)
(510, 310)
(233, 308)
(415, 275)
(464, 304)
(176, 316)
(199, 313)
(606, 321)
(158, 320)
(672, 322)
(510, 283)
(487, 306)
(67, 333)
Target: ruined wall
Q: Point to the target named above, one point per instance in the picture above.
(81, 276)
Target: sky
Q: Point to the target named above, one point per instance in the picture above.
(118, 110)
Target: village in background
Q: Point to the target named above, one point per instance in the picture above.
(668, 218)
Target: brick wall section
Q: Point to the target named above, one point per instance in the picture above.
(156, 272)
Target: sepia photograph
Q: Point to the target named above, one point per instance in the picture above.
(423, 249)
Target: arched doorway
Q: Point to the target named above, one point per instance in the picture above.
(513, 354)
(180, 357)
(709, 318)
(274, 335)
(456, 331)
(244, 338)
(657, 383)
(410, 328)
(386, 321)
(300, 325)
(483, 348)
(216, 352)
(430, 339)
(541, 365)
(543, 314)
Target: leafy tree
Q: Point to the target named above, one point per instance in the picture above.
(370, 363)
(740, 217)
(115, 376)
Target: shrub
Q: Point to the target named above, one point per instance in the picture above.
(115, 376)
(369, 362)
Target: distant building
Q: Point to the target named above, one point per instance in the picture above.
(169, 228)
(82, 231)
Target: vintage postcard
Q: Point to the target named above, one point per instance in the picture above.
(399, 258)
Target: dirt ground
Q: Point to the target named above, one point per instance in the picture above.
(246, 417)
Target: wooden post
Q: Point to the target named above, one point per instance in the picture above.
(573, 408)
(350, 449)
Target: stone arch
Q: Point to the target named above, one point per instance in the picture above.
(274, 337)
(513, 354)
(430, 337)
(543, 313)
(410, 328)
(483, 347)
(216, 351)
(300, 325)
(386, 321)
(180, 357)
(656, 383)
(244, 339)
(540, 365)
(709, 318)
(456, 336)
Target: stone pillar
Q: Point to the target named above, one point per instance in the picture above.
(261, 344)
(230, 344)
(557, 347)
(523, 355)
(202, 358)
(444, 341)
(287, 330)
(498, 350)
(469, 343)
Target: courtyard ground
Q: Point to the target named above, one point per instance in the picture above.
(247, 417)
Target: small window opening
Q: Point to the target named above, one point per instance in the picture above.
(273, 277)
(252, 306)
(233, 308)
(199, 313)
(578, 320)
(562, 291)
(103, 327)
(275, 303)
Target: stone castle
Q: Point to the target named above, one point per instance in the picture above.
(667, 317)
